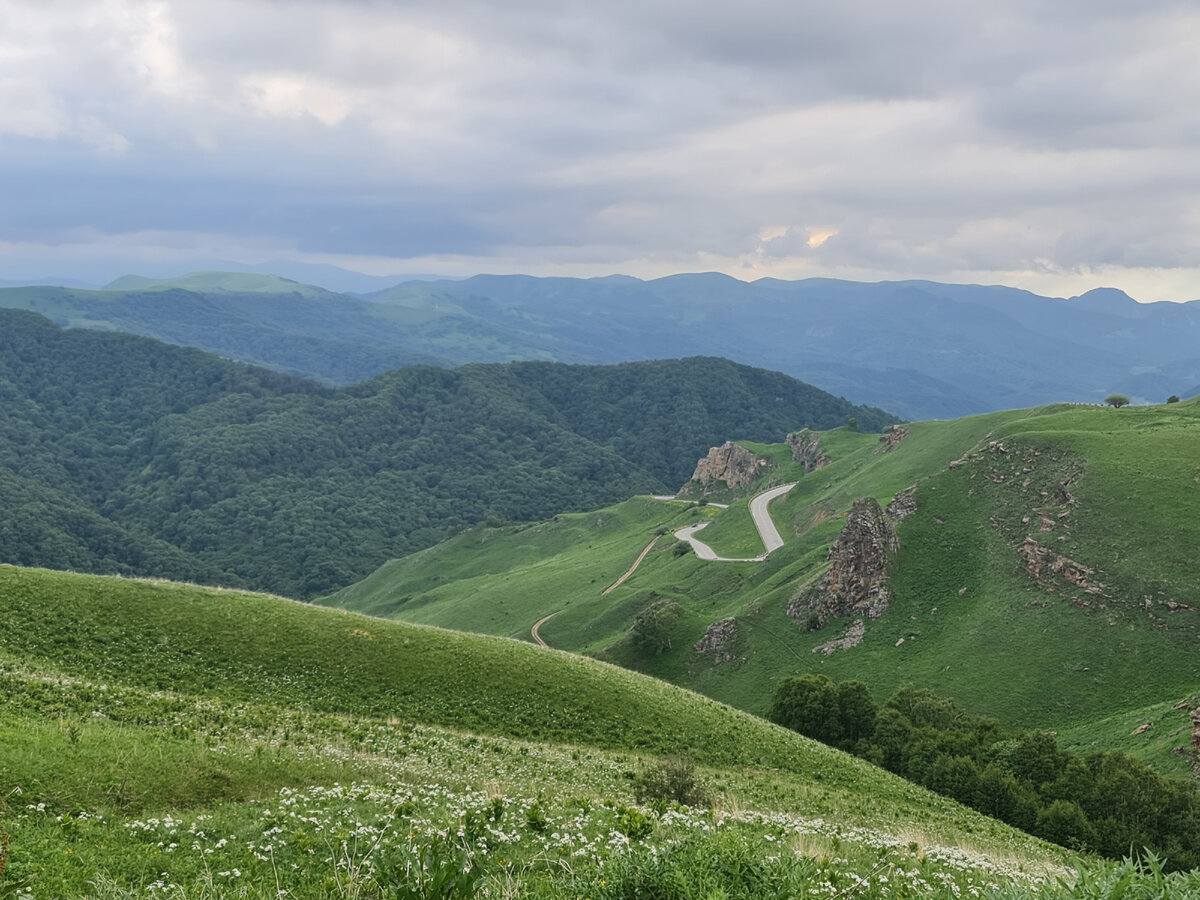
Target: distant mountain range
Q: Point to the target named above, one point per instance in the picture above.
(919, 349)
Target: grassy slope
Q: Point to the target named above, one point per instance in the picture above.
(973, 624)
(132, 708)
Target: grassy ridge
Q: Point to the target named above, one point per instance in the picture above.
(967, 619)
(246, 648)
(161, 737)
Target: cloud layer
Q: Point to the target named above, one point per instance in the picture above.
(1047, 144)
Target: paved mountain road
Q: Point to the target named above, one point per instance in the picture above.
(762, 521)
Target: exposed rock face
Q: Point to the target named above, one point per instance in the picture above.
(856, 583)
(719, 640)
(806, 449)
(894, 435)
(731, 463)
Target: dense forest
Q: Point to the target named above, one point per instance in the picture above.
(123, 454)
(1106, 802)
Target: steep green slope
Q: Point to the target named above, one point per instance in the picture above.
(154, 734)
(214, 471)
(1044, 577)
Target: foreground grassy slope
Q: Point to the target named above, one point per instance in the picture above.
(162, 737)
(968, 618)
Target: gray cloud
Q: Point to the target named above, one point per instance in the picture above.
(1042, 143)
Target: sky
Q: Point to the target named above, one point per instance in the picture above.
(1053, 146)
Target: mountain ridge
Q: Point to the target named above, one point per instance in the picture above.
(922, 349)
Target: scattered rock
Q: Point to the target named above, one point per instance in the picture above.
(851, 637)
(1041, 563)
(719, 640)
(806, 449)
(903, 505)
(731, 463)
(1142, 729)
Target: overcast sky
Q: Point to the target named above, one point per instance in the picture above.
(1047, 144)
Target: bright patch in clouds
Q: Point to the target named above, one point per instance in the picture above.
(818, 236)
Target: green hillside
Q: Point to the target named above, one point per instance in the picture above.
(188, 741)
(1046, 577)
(124, 455)
(224, 282)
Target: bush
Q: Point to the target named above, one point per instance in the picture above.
(651, 631)
(674, 780)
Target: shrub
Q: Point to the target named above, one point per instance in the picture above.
(674, 780)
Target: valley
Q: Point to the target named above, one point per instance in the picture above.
(557, 687)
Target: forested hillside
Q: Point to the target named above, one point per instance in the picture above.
(122, 454)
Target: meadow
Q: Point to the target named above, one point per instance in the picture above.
(167, 740)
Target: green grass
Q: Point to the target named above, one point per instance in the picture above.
(966, 620)
(161, 738)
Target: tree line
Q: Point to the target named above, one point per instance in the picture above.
(1105, 802)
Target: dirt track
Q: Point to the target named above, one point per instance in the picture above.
(538, 624)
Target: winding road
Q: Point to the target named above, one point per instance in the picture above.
(637, 562)
(762, 521)
(538, 624)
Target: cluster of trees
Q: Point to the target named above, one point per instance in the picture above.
(1105, 802)
(123, 454)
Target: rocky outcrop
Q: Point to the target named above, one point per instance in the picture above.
(719, 640)
(731, 463)
(856, 582)
(894, 435)
(805, 445)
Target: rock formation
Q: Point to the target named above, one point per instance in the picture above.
(805, 445)
(719, 640)
(856, 582)
(894, 435)
(731, 463)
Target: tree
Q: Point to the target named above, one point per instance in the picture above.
(652, 628)
(1174, 398)
(808, 704)
(1116, 401)
(858, 711)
